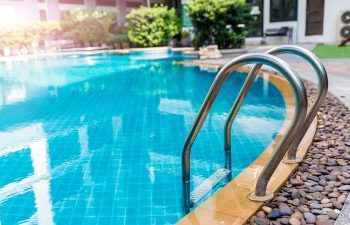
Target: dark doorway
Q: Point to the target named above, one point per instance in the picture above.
(314, 17)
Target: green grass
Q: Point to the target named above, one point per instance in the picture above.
(332, 51)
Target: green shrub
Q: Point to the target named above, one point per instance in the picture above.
(219, 22)
(149, 27)
(27, 34)
(86, 25)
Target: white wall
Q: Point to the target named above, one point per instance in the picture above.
(333, 10)
(24, 10)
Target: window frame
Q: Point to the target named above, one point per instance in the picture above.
(295, 16)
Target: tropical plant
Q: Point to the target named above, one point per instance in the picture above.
(27, 34)
(149, 27)
(220, 22)
(87, 25)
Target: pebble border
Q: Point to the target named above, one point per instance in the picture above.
(317, 191)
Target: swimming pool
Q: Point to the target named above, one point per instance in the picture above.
(97, 138)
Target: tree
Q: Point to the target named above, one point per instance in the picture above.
(149, 27)
(27, 34)
(220, 22)
(86, 25)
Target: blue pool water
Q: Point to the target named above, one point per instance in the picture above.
(97, 138)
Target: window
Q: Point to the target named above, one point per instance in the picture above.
(105, 2)
(283, 10)
(43, 16)
(81, 2)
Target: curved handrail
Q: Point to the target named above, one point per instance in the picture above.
(322, 93)
(318, 100)
(298, 118)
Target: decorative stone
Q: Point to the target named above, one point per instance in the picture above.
(332, 215)
(281, 199)
(261, 214)
(344, 188)
(313, 178)
(325, 200)
(322, 218)
(333, 195)
(318, 212)
(341, 198)
(337, 204)
(320, 186)
(297, 215)
(342, 162)
(296, 194)
(327, 222)
(209, 52)
(261, 221)
(266, 209)
(309, 217)
(285, 210)
(294, 221)
(274, 214)
(284, 221)
(316, 205)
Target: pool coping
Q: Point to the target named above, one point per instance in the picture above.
(230, 204)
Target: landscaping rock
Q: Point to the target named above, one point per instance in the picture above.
(297, 215)
(285, 210)
(322, 219)
(315, 194)
(261, 214)
(274, 214)
(294, 221)
(325, 200)
(266, 209)
(261, 221)
(332, 215)
(316, 206)
(344, 188)
(309, 217)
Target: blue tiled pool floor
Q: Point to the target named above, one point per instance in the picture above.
(97, 138)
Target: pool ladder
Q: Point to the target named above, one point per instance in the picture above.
(300, 122)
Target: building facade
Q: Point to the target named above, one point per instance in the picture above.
(312, 21)
(50, 10)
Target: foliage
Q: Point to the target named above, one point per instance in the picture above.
(118, 38)
(87, 25)
(219, 22)
(185, 34)
(27, 34)
(149, 27)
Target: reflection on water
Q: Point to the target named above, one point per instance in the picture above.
(31, 138)
(97, 139)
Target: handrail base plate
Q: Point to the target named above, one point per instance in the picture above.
(292, 161)
(253, 197)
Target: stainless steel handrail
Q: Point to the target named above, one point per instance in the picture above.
(298, 118)
(322, 93)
